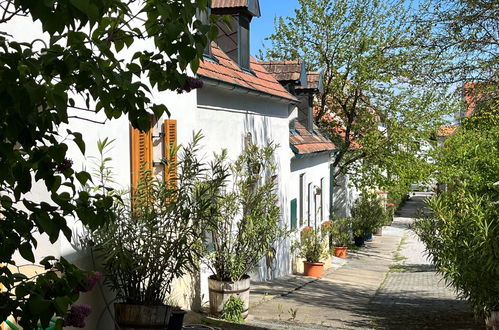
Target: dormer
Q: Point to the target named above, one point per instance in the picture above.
(234, 40)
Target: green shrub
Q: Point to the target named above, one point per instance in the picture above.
(233, 309)
(367, 214)
(340, 230)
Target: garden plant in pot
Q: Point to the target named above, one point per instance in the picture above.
(367, 215)
(156, 238)
(312, 248)
(245, 223)
(340, 230)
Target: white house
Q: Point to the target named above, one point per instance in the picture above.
(240, 100)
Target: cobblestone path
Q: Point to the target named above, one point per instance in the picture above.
(413, 295)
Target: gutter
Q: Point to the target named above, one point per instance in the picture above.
(245, 90)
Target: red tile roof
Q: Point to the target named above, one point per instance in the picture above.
(304, 142)
(228, 71)
(228, 3)
(283, 70)
(312, 81)
(446, 130)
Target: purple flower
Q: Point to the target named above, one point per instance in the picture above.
(63, 166)
(76, 316)
(91, 279)
(190, 84)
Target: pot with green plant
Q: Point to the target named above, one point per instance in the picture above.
(367, 215)
(155, 239)
(312, 248)
(245, 223)
(340, 230)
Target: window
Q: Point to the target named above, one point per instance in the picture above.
(309, 204)
(170, 150)
(301, 201)
(244, 42)
(321, 205)
(141, 148)
(141, 153)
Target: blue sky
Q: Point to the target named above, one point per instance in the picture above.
(262, 27)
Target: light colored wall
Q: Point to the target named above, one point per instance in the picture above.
(225, 117)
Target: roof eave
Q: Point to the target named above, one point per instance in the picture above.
(217, 82)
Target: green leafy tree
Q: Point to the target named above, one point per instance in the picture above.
(373, 107)
(461, 232)
(78, 68)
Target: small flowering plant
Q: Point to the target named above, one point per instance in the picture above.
(311, 245)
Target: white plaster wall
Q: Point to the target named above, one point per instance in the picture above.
(314, 168)
(225, 117)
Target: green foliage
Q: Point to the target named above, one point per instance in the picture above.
(374, 107)
(233, 309)
(158, 235)
(461, 232)
(78, 68)
(340, 230)
(367, 214)
(312, 245)
(245, 211)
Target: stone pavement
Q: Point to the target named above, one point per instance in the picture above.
(389, 284)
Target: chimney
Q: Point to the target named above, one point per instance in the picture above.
(234, 40)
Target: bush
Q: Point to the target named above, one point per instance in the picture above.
(233, 309)
(367, 214)
(311, 245)
(340, 230)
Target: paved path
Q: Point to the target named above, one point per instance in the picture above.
(389, 284)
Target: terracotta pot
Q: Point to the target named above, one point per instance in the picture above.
(141, 317)
(220, 292)
(492, 321)
(378, 231)
(313, 269)
(340, 251)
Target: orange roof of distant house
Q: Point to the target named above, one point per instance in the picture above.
(446, 130)
(252, 6)
(305, 142)
(226, 70)
(283, 70)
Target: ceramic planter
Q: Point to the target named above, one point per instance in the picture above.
(141, 317)
(313, 269)
(368, 237)
(340, 251)
(378, 231)
(220, 292)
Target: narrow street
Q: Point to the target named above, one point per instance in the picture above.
(389, 284)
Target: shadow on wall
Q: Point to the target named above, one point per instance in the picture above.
(341, 198)
(277, 262)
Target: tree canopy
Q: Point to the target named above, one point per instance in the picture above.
(375, 107)
(78, 68)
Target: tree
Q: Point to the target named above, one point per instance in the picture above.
(461, 232)
(78, 68)
(463, 36)
(373, 107)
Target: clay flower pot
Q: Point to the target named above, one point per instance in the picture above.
(340, 251)
(313, 269)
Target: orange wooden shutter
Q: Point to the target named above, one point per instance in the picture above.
(170, 149)
(141, 152)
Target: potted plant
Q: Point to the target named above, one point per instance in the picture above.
(367, 215)
(245, 224)
(155, 238)
(311, 247)
(340, 231)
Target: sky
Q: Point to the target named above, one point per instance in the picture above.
(263, 26)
